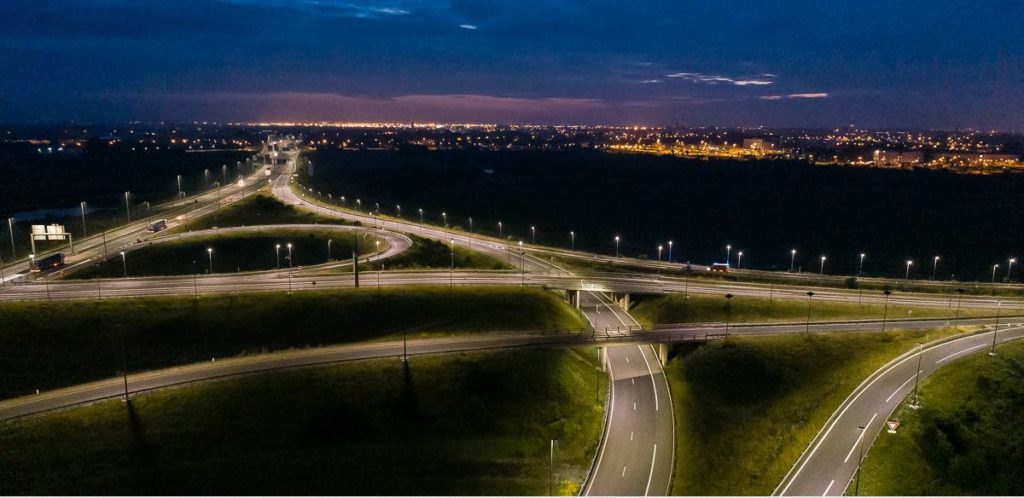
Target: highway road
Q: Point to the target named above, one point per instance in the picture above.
(829, 464)
(637, 449)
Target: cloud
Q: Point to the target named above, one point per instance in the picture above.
(819, 95)
(647, 82)
(714, 79)
(471, 27)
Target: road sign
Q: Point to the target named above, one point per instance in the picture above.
(893, 424)
(48, 232)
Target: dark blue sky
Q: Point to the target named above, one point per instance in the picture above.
(932, 64)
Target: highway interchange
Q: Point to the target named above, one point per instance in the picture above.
(636, 453)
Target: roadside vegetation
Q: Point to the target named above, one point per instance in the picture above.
(456, 424)
(258, 209)
(746, 408)
(427, 253)
(965, 439)
(676, 308)
(44, 345)
(232, 252)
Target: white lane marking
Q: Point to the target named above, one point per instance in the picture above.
(654, 386)
(898, 389)
(861, 436)
(630, 435)
(960, 352)
(650, 476)
(634, 406)
(608, 424)
(624, 472)
(829, 488)
(627, 358)
(835, 421)
(633, 380)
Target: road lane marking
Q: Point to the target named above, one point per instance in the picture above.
(861, 436)
(630, 435)
(633, 380)
(608, 423)
(627, 358)
(623, 471)
(960, 352)
(650, 476)
(829, 488)
(634, 406)
(900, 388)
(653, 385)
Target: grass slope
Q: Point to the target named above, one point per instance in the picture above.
(471, 423)
(259, 209)
(675, 308)
(232, 252)
(747, 407)
(86, 343)
(966, 439)
(426, 253)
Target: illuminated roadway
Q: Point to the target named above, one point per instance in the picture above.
(830, 462)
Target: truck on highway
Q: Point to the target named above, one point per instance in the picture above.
(52, 262)
(158, 225)
(719, 267)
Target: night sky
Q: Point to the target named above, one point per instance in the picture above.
(885, 64)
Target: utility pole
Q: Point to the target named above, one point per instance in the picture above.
(885, 307)
(355, 262)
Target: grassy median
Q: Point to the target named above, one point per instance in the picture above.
(257, 209)
(966, 439)
(459, 424)
(427, 253)
(232, 252)
(47, 345)
(747, 407)
(676, 308)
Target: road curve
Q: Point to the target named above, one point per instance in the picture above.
(829, 463)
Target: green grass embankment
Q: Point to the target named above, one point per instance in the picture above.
(676, 308)
(46, 345)
(460, 424)
(746, 408)
(967, 437)
(232, 252)
(258, 209)
(426, 253)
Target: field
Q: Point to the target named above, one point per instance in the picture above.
(260, 209)
(966, 438)
(746, 408)
(459, 424)
(676, 308)
(91, 342)
(762, 208)
(231, 253)
(427, 253)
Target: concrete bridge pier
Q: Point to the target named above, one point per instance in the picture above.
(663, 353)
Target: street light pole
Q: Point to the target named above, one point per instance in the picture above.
(451, 272)
(670, 251)
(659, 259)
(329, 250)
(909, 264)
(522, 265)
(127, 207)
(501, 233)
(995, 330)
(124, 264)
(728, 311)
(959, 297)
(533, 234)
(289, 246)
(277, 253)
(572, 240)
(739, 260)
(84, 229)
(822, 270)
(860, 269)
(792, 260)
(810, 294)
(728, 251)
(1009, 268)
(885, 307)
(917, 376)
(209, 252)
(616, 246)
(860, 460)
(376, 249)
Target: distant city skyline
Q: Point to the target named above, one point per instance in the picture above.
(915, 64)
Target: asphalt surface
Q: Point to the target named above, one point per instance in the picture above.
(636, 452)
(830, 462)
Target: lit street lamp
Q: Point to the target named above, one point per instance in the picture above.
(572, 240)
(1009, 268)
(277, 252)
(444, 215)
(659, 259)
(399, 208)
(822, 271)
(670, 251)
(209, 252)
(501, 232)
(329, 250)
(124, 264)
(935, 266)
(860, 269)
(616, 246)
(84, 231)
(421, 215)
(909, 264)
(533, 234)
(289, 257)
(127, 207)
(739, 260)
(728, 251)
(792, 260)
